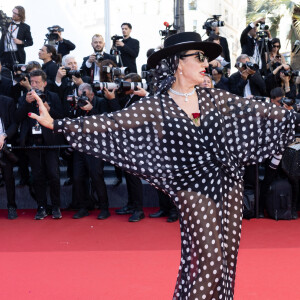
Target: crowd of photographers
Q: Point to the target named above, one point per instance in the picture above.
(106, 82)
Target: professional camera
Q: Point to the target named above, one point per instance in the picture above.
(286, 72)
(51, 35)
(263, 26)
(260, 98)
(167, 32)
(8, 154)
(78, 101)
(116, 71)
(221, 70)
(4, 21)
(262, 30)
(99, 57)
(288, 102)
(41, 94)
(249, 65)
(20, 72)
(115, 38)
(121, 86)
(70, 73)
(213, 22)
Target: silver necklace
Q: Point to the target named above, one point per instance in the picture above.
(186, 95)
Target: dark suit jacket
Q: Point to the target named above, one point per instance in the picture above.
(129, 53)
(225, 52)
(90, 71)
(5, 85)
(237, 84)
(64, 47)
(223, 84)
(24, 35)
(7, 111)
(27, 123)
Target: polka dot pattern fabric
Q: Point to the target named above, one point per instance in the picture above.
(201, 168)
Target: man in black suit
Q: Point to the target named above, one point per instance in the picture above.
(63, 46)
(15, 39)
(247, 81)
(252, 46)
(44, 163)
(8, 129)
(86, 166)
(129, 48)
(90, 65)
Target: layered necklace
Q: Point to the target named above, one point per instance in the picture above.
(186, 95)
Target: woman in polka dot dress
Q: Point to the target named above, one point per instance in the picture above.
(192, 143)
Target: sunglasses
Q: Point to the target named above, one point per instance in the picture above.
(199, 55)
(275, 46)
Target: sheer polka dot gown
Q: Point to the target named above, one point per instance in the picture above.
(201, 168)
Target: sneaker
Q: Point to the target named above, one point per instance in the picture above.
(83, 212)
(12, 213)
(56, 214)
(41, 213)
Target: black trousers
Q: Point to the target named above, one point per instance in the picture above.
(135, 191)
(87, 167)
(165, 203)
(45, 169)
(9, 179)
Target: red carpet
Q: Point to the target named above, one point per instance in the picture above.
(115, 259)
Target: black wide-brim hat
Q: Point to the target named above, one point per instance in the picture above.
(184, 41)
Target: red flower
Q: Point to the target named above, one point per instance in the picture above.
(196, 115)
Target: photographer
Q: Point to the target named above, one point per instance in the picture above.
(274, 55)
(281, 76)
(272, 164)
(86, 166)
(215, 31)
(62, 46)
(51, 61)
(91, 64)
(247, 81)
(8, 129)
(252, 45)
(129, 48)
(44, 163)
(219, 80)
(134, 184)
(14, 39)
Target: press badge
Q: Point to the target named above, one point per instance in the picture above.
(37, 129)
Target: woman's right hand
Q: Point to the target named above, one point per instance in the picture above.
(44, 118)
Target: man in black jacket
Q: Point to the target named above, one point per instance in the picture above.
(247, 81)
(44, 163)
(254, 47)
(90, 65)
(63, 46)
(86, 166)
(129, 48)
(15, 39)
(8, 129)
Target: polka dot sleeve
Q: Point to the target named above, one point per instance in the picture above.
(253, 130)
(129, 138)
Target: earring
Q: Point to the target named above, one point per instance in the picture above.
(180, 73)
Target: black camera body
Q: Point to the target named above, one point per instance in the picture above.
(213, 22)
(250, 65)
(70, 73)
(115, 38)
(99, 57)
(4, 21)
(287, 101)
(286, 72)
(78, 101)
(51, 35)
(20, 72)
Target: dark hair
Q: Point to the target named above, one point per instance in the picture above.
(21, 13)
(212, 37)
(276, 92)
(133, 77)
(103, 75)
(33, 64)
(128, 24)
(55, 56)
(38, 73)
(150, 51)
(276, 41)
